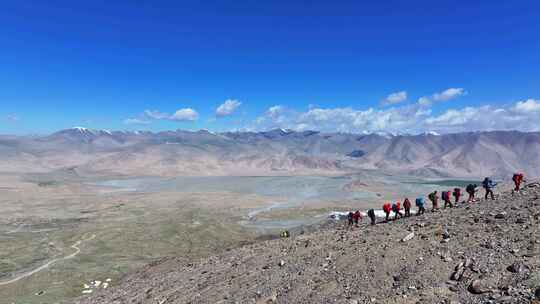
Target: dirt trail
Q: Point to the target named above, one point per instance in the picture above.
(49, 263)
(19, 228)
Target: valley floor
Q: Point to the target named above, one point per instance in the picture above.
(60, 231)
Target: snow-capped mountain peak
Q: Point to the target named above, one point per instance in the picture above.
(81, 129)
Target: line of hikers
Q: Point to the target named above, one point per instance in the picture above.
(446, 196)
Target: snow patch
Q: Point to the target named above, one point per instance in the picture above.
(80, 129)
(379, 213)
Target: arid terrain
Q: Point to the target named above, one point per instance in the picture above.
(82, 209)
(57, 237)
(60, 231)
(485, 252)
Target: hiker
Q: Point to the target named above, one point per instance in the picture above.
(371, 214)
(446, 198)
(396, 208)
(387, 208)
(357, 216)
(350, 217)
(420, 204)
(434, 200)
(488, 185)
(457, 194)
(518, 178)
(471, 190)
(407, 207)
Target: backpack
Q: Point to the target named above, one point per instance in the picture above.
(470, 188)
(457, 191)
(445, 195)
(420, 202)
(432, 196)
(515, 178)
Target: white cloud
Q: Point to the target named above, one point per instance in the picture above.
(456, 117)
(12, 118)
(449, 94)
(424, 101)
(446, 95)
(276, 116)
(395, 98)
(275, 111)
(186, 114)
(301, 127)
(413, 119)
(348, 119)
(227, 108)
(523, 116)
(136, 121)
(527, 106)
(409, 118)
(156, 114)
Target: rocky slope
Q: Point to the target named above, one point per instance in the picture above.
(486, 252)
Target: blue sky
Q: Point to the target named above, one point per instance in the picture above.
(294, 64)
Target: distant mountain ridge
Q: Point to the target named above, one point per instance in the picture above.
(180, 152)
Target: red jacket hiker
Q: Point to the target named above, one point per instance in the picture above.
(387, 208)
(357, 216)
(457, 194)
(407, 206)
(518, 179)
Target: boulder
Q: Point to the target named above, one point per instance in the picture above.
(516, 267)
(476, 287)
(500, 215)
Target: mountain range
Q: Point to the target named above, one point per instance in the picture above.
(274, 152)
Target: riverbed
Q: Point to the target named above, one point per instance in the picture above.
(361, 191)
